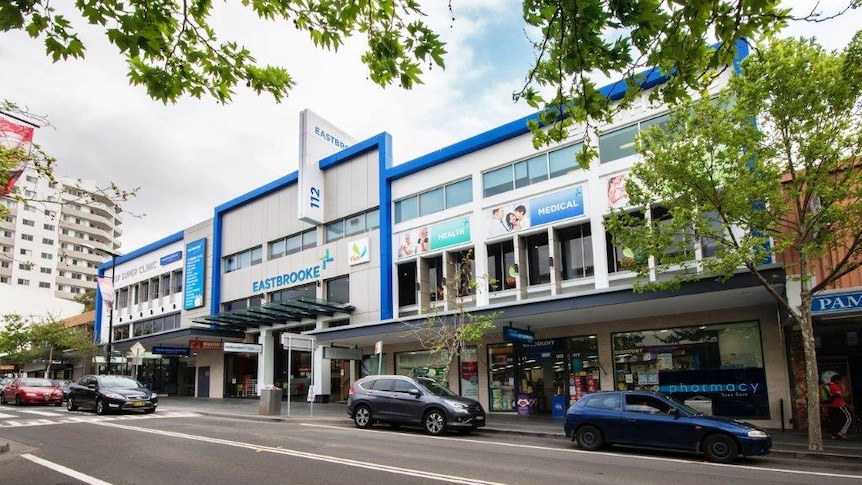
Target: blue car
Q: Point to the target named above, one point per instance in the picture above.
(653, 420)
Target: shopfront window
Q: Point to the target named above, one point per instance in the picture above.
(585, 374)
(407, 284)
(538, 262)
(422, 363)
(720, 367)
(501, 363)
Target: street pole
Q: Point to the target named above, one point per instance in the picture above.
(111, 314)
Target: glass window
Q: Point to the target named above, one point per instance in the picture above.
(244, 259)
(372, 219)
(309, 289)
(434, 267)
(354, 225)
(497, 181)
(660, 121)
(407, 284)
(276, 249)
(501, 367)
(608, 402)
(431, 202)
(710, 246)
(406, 209)
(538, 262)
(617, 144)
(576, 246)
(721, 365)
(338, 289)
(293, 244)
(459, 193)
(501, 265)
(421, 363)
(335, 230)
(257, 255)
(463, 270)
(309, 239)
(563, 161)
(531, 171)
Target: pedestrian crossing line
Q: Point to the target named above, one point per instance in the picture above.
(21, 423)
(7, 416)
(53, 414)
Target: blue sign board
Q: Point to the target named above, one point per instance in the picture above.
(837, 302)
(512, 334)
(170, 258)
(557, 206)
(171, 350)
(194, 274)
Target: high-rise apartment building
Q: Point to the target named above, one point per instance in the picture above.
(55, 239)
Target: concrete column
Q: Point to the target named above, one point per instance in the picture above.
(266, 359)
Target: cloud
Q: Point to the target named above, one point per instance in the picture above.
(190, 157)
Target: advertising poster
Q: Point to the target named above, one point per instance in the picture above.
(615, 185)
(470, 373)
(433, 237)
(545, 209)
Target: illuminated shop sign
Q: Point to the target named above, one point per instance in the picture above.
(512, 334)
(194, 274)
(310, 273)
(170, 258)
(430, 238)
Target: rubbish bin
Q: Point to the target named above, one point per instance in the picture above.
(558, 406)
(270, 401)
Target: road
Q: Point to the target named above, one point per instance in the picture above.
(54, 446)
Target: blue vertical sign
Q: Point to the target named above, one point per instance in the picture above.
(195, 274)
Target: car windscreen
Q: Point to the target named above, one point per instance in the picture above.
(120, 383)
(435, 387)
(36, 383)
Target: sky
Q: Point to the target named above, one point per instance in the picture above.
(191, 156)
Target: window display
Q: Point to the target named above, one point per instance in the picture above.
(720, 366)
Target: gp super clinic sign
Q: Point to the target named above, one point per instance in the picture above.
(194, 274)
(318, 139)
(837, 303)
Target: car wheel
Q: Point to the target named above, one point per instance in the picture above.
(434, 422)
(101, 407)
(720, 448)
(362, 417)
(71, 406)
(2, 398)
(590, 438)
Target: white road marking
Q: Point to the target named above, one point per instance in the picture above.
(606, 453)
(53, 414)
(310, 456)
(74, 419)
(7, 416)
(64, 470)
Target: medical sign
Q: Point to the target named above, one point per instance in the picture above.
(194, 274)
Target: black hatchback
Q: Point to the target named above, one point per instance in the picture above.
(107, 393)
(401, 400)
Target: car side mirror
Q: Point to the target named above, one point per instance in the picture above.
(414, 392)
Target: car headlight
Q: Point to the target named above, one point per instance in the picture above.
(459, 406)
(114, 395)
(756, 433)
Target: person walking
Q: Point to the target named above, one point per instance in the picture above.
(839, 415)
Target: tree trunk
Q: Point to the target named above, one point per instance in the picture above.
(815, 434)
(50, 360)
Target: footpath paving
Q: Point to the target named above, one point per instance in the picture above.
(787, 443)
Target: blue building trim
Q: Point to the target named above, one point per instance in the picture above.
(149, 248)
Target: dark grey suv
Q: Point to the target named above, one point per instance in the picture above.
(398, 400)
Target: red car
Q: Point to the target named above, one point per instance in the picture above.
(31, 390)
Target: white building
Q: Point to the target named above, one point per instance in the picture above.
(353, 247)
(56, 240)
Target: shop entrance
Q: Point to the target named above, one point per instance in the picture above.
(339, 380)
(240, 375)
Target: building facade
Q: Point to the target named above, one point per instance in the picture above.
(55, 242)
(322, 276)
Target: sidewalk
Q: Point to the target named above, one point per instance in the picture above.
(787, 444)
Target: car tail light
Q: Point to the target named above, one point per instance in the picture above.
(351, 391)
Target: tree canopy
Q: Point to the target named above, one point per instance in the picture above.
(172, 49)
(24, 340)
(768, 169)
